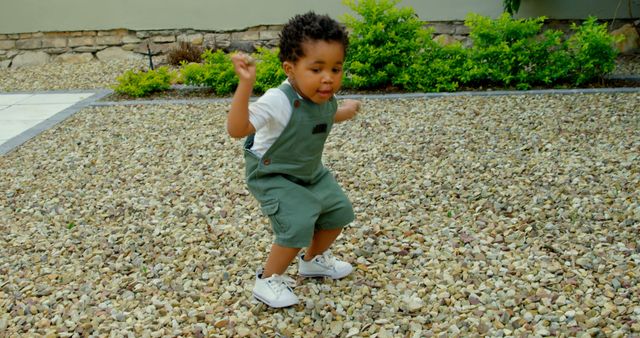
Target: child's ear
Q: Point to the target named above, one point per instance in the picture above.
(288, 68)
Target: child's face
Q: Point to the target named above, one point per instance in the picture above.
(317, 76)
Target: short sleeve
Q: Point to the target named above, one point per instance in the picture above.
(267, 108)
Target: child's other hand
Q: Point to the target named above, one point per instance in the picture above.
(245, 67)
(349, 109)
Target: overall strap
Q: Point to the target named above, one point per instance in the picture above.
(288, 90)
(292, 95)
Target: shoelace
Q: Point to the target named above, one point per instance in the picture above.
(280, 283)
(327, 260)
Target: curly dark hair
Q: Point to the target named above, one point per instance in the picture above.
(309, 27)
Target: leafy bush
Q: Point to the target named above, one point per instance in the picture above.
(215, 72)
(186, 52)
(269, 71)
(390, 46)
(547, 60)
(193, 74)
(486, 32)
(141, 83)
(437, 68)
(591, 51)
(509, 52)
(513, 52)
(382, 44)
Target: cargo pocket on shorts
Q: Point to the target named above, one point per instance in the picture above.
(270, 209)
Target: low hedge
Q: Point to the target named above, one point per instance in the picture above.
(390, 47)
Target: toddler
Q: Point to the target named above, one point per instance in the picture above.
(287, 128)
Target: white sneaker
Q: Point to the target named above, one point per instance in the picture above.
(275, 291)
(324, 265)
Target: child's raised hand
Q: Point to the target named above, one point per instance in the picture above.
(244, 66)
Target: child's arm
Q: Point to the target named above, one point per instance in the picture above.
(238, 124)
(347, 110)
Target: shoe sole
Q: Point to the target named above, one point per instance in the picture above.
(271, 304)
(321, 275)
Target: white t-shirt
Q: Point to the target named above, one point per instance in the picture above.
(269, 115)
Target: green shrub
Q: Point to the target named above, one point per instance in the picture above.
(509, 52)
(192, 74)
(437, 68)
(389, 46)
(512, 52)
(215, 72)
(269, 71)
(591, 49)
(218, 73)
(546, 62)
(382, 44)
(141, 83)
(486, 32)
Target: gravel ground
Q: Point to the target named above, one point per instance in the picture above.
(628, 65)
(476, 216)
(62, 76)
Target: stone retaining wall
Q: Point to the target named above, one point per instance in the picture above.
(81, 46)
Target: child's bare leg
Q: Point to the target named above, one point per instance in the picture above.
(279, 259)
(322, 240)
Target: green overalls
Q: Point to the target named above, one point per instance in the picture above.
(296, 192)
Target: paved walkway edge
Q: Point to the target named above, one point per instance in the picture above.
(28, 134)
(395, 96)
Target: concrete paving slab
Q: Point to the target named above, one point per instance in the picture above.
(13, 128)
(11, 99)
(54, 98)
(32, 111)
(25, 115)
